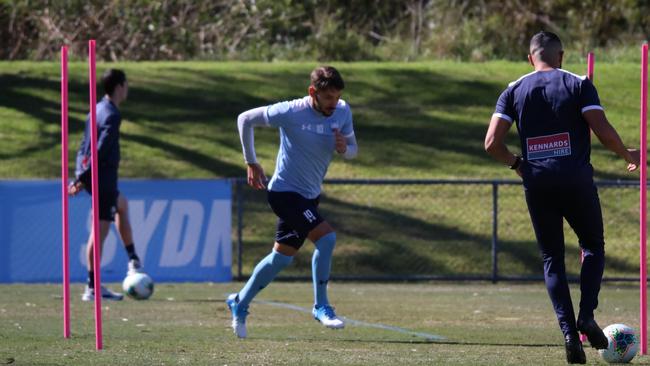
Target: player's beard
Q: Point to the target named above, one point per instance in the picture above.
(317, 106)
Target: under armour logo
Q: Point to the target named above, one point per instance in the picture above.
(306, 127)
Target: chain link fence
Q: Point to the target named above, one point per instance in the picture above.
(434, 229)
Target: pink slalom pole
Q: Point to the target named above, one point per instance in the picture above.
(64, 192)
(95, 194)
(643, 325)
(590, 76)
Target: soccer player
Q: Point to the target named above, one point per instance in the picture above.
(554, 111)
(311, 129)
(113, 205)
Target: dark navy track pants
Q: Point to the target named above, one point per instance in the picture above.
(580, 206)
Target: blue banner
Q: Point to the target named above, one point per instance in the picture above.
(181, 230)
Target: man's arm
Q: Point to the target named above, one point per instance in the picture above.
(245, 123)
(345, 140)
(495, 144)
(609, 137)
(106, 134)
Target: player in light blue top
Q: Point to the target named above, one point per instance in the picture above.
(311, 129)
(307, 140)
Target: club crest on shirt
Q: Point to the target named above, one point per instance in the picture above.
(542, 147)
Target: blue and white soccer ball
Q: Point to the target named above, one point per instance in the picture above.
(623, 344)
(138, 286)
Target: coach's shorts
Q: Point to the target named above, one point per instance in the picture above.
(297, 216)
(107, 203)
(108, 192)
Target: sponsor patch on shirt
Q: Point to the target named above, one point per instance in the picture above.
(543, 147)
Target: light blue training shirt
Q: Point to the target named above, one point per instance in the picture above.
(306, 144)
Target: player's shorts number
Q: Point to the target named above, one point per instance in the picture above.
(309, 216)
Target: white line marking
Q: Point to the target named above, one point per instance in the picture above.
(427, 336)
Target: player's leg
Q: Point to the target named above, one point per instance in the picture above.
(324, 239)
(89, 291)
(288, 240)
(292, 228)
(107, 210)
(584, 215)
(104, 227)
(546, 215)
(123, 225)
(263, 273)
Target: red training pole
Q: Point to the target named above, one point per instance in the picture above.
(64, 191)
(590, 66)
(643, 204)
(590, 76)
(95, 194)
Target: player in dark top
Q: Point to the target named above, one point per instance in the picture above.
(554, 111)
(112, 204)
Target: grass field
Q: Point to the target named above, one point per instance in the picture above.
(413, 120)
(188, 324)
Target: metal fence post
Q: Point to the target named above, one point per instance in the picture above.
(240, 225)
(495, 240)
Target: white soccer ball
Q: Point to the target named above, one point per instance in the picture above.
(623, 344)
(138, 286)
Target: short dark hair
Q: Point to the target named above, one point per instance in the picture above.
(111, 79)
(548, 41)
(326, 77)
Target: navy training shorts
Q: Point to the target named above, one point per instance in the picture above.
(297, 216)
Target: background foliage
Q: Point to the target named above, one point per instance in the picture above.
(344, 30)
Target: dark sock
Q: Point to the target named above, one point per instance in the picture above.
(91, 279)
(130, 251)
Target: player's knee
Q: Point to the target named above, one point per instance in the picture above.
(323, 229)
(285, 249)
(327, 241)
(596, 249)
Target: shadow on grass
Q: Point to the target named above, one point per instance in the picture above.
(197, 158)
(21, 94)
(406, 100)
(406, 118)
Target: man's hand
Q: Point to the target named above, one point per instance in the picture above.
(633, 160)
(341, 145)
(75, 187)
(256, 177)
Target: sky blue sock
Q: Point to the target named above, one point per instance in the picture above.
(321, 263)
(262, 275)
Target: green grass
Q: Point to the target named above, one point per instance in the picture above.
(188, 324)
(416, 120)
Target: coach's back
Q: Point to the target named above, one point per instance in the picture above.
(548, 108)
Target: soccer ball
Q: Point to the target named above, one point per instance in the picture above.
(138, 286)
(623, 344)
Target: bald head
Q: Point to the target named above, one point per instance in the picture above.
(546, 47)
